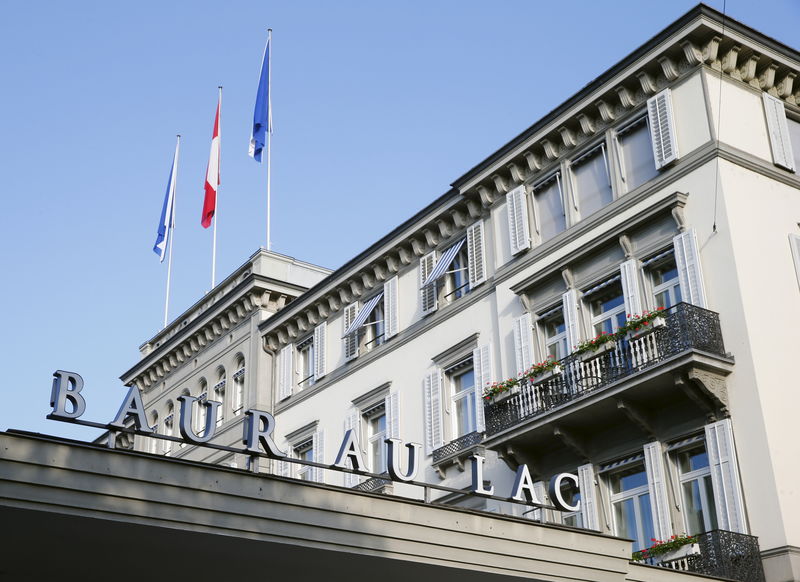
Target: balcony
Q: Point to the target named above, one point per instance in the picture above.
(719, 553)
(656, 376)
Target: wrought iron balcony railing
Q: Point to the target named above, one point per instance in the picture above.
(720, 553)
(454, 447)
(685, 327)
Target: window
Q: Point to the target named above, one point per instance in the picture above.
(699, 511)
(554, 331)
(636, 161)
(305, 451)
(455, 272)
(200, 410)
(606, 306)
(549, 208)
(664, 280)
(219, 394)
(169, 428)
(591, 181)
(375, 419)
(571, 495)
(461, 378)
(305, 363)
(794, 139)
(630, 503)
(154, 442)
(238, 387)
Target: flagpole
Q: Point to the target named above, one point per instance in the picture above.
(216, 207)
(171, 230)
(269, 139)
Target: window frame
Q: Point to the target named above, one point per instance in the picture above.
(588, 299)
(581, 159)
(626, 128)
(704, 479)
(455, 397)
(635, 494)
(304, 363)
(542, 320)
(649, 267)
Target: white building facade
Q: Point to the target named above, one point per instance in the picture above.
(513, 317)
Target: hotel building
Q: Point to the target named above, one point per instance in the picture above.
(513, 317)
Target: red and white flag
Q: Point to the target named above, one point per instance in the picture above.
(212, 175)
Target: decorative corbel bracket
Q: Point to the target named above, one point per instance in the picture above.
(637, 417)
(669, 68)
(534, 161)
(647, 82)
(571, 442)
(606, 111)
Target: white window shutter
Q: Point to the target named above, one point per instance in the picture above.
(794, 243)
(540, 490)
(690, 274)
(320, 360)
(523, 342)
(390, 307)
(588, 497)
(778, 129)
(430, 300)
(629, 275)
(659, 503)
(351, 341)
(517, 210)
(353, 421)
(571, 322)
(286, 372)
(476, 255)
(318, 446)
(482, 364)
(662, 128)
(392, 404)
(433, 411)
(283, 468)
(725, 476)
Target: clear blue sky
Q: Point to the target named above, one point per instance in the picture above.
(378, 107)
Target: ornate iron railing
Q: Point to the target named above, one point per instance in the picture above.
(454, 447)
(373, 485)
(685, 327)
(721, 553)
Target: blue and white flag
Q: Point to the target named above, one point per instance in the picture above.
(167, 222)
(262, 116)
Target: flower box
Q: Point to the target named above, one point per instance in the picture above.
(500, 396)
(602, 349)
(678, 553)
(557, 369)
(646, 329)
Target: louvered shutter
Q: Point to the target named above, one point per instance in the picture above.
(690, 274)
(482, 364)
(588, 497)
(318, 446)
(351, 341)
(517, 210)
(659, 503)
(778, 130)
(794, 243)
(320, 359)
(725, 476)
(433, 411)
(629, 275)
(430, 300)
(523, 342)
(352, 421)
(283, 468)
(392, 403)
(390, 307)
(286, 372)
(540, 490)
(475, 254)
(662, 128)
(571, 322)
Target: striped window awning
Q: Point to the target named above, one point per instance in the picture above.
(363, 315)
(698, 438)
(444, 263)
(603, 285)
(658, 257)
(621, 463)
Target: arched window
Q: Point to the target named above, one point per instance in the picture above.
(185, 392)
(238, 386)
(219, 394)
(154, 424)
(169, 427)
(199, 409)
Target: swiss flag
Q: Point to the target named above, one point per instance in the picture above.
(212, 176)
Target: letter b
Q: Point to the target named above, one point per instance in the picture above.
(66, 388)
